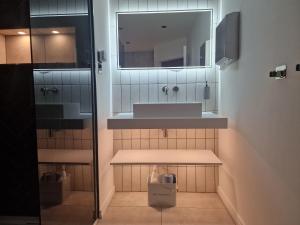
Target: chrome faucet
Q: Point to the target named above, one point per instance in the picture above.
(46, 91)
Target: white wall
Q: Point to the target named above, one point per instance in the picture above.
(103, 80)
(260, 178)
(199, 34)
(169, 50)
(138, 59)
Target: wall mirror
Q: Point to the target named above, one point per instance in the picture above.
(170, 39)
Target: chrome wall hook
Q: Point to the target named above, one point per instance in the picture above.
(279, 73)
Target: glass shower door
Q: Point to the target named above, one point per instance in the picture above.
(64, 82)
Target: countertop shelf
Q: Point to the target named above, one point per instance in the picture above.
(63, 156)
(128, 121)
(165, 157)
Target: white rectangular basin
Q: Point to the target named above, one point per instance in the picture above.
(167, 110)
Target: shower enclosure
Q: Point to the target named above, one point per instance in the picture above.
(47, 70)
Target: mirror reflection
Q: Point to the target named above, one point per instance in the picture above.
(15, 46)
(54, 45)
(60, 42)
(165, 39)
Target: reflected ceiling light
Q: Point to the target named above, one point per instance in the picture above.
(55, 32)
(21, 32)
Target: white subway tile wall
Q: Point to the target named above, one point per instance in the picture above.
(81, 175)
(190, 178)
(58, 7)
(143, 86)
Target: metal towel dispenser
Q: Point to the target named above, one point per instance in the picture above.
(227, 40)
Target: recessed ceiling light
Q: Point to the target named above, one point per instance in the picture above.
(21, 32)
(55, 32)
(164, 26)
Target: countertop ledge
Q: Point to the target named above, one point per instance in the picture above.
(128, 121)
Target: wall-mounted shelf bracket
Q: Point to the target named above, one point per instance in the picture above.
(165, 132)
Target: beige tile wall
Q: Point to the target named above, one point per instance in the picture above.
(65, 139)
(81, 175)
(190, 178)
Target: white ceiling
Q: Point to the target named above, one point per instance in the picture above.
(143, 30)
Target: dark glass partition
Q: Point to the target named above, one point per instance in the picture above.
(64, 82)
(47, 114)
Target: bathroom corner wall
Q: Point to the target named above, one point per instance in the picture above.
(259, 181)
(144, 86)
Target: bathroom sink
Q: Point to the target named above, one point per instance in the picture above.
(167, 110)
(60, 110)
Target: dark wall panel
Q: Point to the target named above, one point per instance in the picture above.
(14, 14)
(19, 194)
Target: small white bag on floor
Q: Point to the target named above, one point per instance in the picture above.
(162, 190)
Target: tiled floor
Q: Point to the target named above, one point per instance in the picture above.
(77, 209)
(192, 209)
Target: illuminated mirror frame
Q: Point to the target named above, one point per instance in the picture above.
(158, 12)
